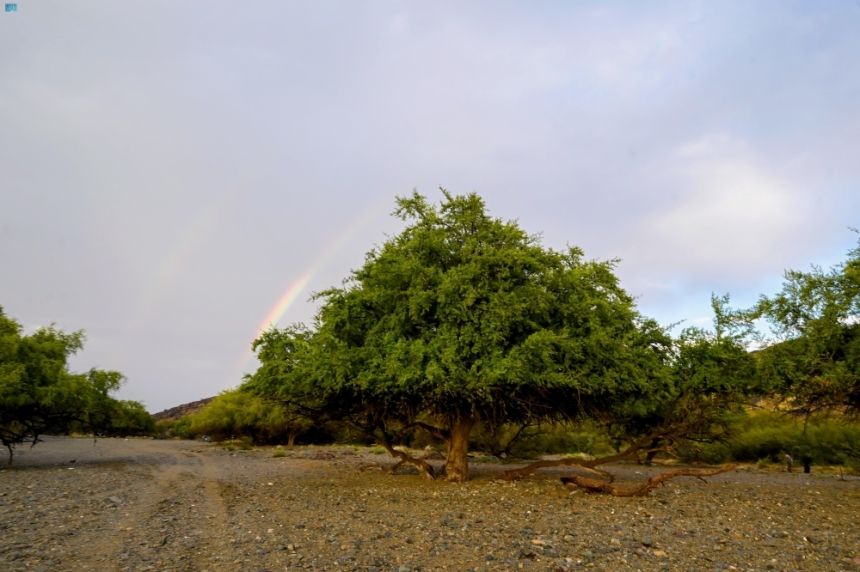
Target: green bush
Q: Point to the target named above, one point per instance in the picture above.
(174, 428)
(562, 439)
(242, 444)
(765, 435)
(239, 414)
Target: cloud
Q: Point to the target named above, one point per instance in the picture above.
(729, 213)
(166, 179)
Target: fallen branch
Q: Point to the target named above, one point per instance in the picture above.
(639, 489)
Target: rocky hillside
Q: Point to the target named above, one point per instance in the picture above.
(181, 410)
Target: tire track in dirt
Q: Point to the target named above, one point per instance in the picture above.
(175, 519)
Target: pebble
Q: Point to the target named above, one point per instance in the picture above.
(358, 520)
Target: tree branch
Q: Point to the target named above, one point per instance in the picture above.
(639, 489)
(438, 432)
(405, 458)
(629, 453)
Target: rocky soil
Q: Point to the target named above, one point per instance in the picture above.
(137, 504)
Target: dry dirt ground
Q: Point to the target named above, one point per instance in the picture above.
(68, 504)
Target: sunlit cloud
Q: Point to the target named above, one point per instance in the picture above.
(730, 213)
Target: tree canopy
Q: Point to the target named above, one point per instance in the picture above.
(39, 395)
(464, 317)
(813, 355)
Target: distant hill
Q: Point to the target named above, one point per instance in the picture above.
(181, 410)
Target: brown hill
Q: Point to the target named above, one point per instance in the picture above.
(182, 410)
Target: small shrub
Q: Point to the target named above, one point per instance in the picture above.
(278, 452)
(561, 440)
(243, 444)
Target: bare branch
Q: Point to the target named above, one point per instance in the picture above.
(639, 489)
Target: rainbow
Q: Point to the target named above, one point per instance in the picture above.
(286, 300)
(300, 283)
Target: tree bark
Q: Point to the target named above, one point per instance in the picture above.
(457, 462)
(404, 458)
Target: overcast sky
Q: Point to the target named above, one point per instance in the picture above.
(171, 171)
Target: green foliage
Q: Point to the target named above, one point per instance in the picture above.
(524, 442)
(769, 436)
(237, 413)
(174, 428)
(813, 358)
(463, 317)
(278, 452)
(39, 395)
(130, 418)
(241, 444)
(463, 321)
(563, 439)
(713, 376)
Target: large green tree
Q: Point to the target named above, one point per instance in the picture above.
(39, 395)
(813, 356)
(464, 317)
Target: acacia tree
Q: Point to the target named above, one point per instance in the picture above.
(39, 395)
(813, 358)
(464, 317)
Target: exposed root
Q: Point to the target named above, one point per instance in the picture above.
(639, 489)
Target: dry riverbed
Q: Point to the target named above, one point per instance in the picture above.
(68, 504)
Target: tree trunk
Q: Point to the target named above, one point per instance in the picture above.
(457, 463)
(291, 439)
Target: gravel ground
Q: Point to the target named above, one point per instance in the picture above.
(68, 504)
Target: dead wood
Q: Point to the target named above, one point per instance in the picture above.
(639, 489)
